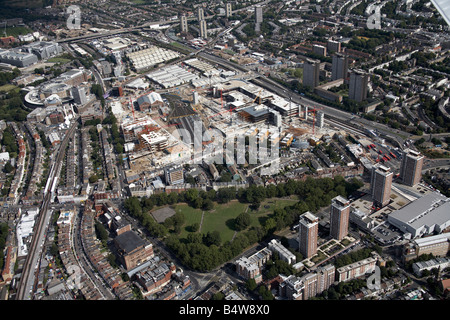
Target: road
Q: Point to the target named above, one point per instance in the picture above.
(31, 265)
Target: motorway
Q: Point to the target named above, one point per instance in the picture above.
(31, 265)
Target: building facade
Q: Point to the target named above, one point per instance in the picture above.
(380, 184)
(339, 217)
(307, 234)
(358, 87)
(411, 167)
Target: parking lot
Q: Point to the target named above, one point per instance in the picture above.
(386, 234)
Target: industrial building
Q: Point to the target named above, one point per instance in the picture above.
(171, 76)
(17, 58)
(424, 216)
(146, 58)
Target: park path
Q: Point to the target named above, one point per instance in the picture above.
(201, 222)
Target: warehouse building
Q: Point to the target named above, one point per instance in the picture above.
(424, 216)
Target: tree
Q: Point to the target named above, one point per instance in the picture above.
(242, 221)
(207, 205)
(250, 284)
(8, 167)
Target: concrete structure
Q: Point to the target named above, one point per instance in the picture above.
(380, 184)
(174, 175)
(43, 49)
(258, 14)
(339, 67)
(356, 270)
(320, 50)
(228, 10)
(132, 249)
(311, 70)
(411, 167)
(183, 23)
(283, 253)
(250, 267)
(203, 29)
(320, 119)
(438, 245)
(358, 87)
(79, 95)
(339, 217)
(200, 14)
(424, 216)
(307, 234)
(309, 285)
(437, 263)
(17, 58)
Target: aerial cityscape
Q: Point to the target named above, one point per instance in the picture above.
(239, 150)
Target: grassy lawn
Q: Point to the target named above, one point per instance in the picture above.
(221, 218)
(15, 31)
(58, 60)
(7, 87)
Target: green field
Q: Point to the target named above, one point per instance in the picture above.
(221, 218)
(7, 87)
(15, 31)
(58, 60)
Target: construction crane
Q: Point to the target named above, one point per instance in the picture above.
(258, 96)
(132, 109)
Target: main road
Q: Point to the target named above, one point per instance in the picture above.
(31, 266)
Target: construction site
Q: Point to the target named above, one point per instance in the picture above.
(159, 123)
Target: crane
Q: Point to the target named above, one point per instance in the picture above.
(258, 96)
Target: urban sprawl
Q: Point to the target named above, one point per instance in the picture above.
(225, 150)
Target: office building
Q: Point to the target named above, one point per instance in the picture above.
(203, 29)
(258, 14)
(411, 167)
(183, 23)
(17, 58)
(307, 234)
(359, 82)
(380, 185)
(311, 70)
(339, 217)
(424, 216)
(79, 95)
(339, 67)
(200, 14)
(228, 11)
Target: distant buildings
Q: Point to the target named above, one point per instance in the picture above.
(411, 167)
(228, 10)
(358, 87)
(339, 67)
(183, 23)
(307, 234)
(203, 29)
(258, 14)
(380, 184)
(339, 217)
